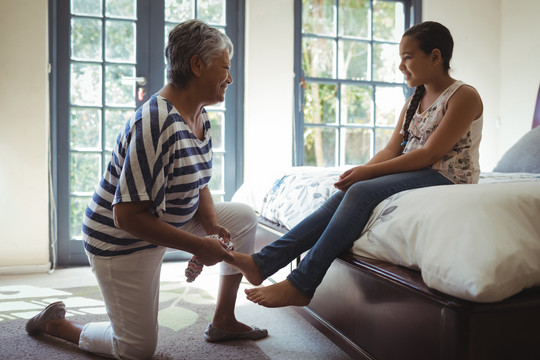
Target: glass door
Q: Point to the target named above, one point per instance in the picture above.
(114, 62)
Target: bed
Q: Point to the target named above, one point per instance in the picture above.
(416, 287)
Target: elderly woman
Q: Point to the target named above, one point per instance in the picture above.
(155, 195)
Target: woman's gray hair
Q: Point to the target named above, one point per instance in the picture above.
(193, 37)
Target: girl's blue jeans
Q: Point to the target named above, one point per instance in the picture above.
(332, 229)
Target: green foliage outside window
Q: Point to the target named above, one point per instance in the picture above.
(351, 82)
(103, 53)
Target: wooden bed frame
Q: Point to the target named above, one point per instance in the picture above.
(376, 310)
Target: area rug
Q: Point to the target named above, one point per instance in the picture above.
(185, 311)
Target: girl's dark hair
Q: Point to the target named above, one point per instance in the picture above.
(430, 35)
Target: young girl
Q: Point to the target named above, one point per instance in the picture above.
(435, 142)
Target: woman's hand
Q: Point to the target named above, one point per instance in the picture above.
(221, 231)
(211, 251)
(351, 176)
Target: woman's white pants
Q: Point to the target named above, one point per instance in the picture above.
(129, 285)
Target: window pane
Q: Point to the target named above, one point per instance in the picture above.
(86, 7)
(388, 20)
(179, 10)
(120, 41)
(211, 11)
(320, 103)
(355, 45)
(318, 57)
(217, 123)
(389, 102)
(85, 172)
(85, 84)
(85, 128)
(217, 183)
(121, 8)
(354, 18)
(354, 60)
(78, 206)
(118, 92)
(86, 39)
(320, 146)
(115, 120)
(318, 17)
(356, 145)
(356, 104)
(386, 63)
(382, 136)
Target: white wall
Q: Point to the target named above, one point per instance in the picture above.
(269, 86)
(497, 50)
(24, 125)
(520, 68)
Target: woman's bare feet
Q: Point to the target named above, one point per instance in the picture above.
(277, 295)
(247, 267)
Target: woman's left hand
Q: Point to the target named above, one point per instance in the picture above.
(221, 231)
(351, 176)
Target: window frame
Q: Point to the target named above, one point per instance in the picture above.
(413, 11)
(65, 250)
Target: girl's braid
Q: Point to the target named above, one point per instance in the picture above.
(411, 110)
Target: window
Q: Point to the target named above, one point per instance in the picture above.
(108, 59)
(350, 90)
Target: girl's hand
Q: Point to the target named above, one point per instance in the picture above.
(351, 176)
(211, 251)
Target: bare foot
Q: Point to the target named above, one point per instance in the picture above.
(277, 295)
(247, 267)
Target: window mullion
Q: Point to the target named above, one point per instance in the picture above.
(366, 83)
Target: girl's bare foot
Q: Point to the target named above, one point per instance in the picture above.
(277, 295)
(247, 267)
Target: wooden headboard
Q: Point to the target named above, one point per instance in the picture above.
(536, 116)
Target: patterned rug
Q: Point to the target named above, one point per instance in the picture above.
(185, 311)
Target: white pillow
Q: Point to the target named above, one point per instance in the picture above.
(476, 242)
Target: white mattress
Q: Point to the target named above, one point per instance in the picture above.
(477, 242)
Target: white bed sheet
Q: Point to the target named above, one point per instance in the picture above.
(476, 242)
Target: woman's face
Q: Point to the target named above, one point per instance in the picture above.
(216, 78)
(415, 64)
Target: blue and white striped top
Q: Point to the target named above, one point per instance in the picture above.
(155, 158)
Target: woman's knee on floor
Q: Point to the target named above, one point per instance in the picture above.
(143, 349)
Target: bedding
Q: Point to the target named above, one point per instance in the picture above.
(476, 242)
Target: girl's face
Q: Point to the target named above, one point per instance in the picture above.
(415, 64)
(216, 77)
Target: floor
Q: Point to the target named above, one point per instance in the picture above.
(290, 335)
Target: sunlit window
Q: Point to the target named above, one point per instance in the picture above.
(350, 90)
(104, 88)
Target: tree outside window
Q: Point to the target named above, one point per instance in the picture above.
(351, 90)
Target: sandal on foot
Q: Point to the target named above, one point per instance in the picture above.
(214, 334)
(56, 310)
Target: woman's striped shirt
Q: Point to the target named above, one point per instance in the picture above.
(155, 158)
